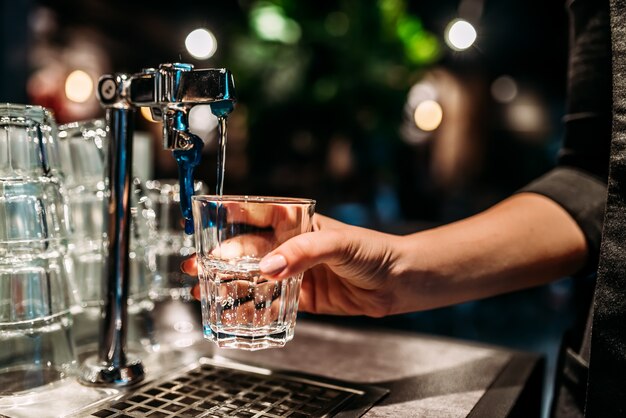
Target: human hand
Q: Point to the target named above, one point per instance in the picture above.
(348, 270)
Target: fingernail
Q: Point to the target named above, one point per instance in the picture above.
(196, 292)
(273, 264)
(188, 265)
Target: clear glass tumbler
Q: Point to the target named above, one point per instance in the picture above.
(83, 149)
(36, 344)
(169, 244)
(240, 307)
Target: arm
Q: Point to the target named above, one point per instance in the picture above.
(524, 241)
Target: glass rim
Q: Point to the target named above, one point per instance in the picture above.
(169, 184)
(18, 110)
(252, 199)
(85, 123)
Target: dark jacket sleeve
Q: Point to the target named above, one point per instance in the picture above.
(582, 195)
(578, 183)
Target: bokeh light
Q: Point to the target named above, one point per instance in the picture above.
(460, 35)
(428, 115)
(201, 43)
(424, 90)
(528, 116)
(337, 23)
(421, 47)
(504, 89)
(202, 121)
(271, 24)
(78, 86)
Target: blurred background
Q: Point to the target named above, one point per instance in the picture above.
(392, 114)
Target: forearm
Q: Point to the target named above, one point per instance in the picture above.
(524, 241)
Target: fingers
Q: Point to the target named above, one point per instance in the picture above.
(196, 292)
(294, 256)
(190, 266)
(321, 222)
(307, 295)
(303, 252)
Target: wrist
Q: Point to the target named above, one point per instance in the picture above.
(415, 278)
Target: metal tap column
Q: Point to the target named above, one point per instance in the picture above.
(170, 91)
(112, 366)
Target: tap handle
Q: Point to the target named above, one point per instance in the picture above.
(176, 135)
(112, 90)
(188, 160)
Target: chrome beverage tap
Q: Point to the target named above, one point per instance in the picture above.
(170, 92)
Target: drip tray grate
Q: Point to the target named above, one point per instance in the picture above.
(223, 389)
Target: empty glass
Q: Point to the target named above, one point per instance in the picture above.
(240, 307)
(82, 146)
(169, 244)
(83, 151)
(36, 345)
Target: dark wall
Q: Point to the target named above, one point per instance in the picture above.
(13, 49)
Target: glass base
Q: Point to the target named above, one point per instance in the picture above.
(22, 380)
(95, 372)
(244, 339)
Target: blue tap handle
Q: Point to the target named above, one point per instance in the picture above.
(188, 160)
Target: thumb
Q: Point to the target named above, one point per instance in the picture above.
(304, 251)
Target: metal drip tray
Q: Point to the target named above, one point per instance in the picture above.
(223, 389)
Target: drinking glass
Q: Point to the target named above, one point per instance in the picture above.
(169, 244)
(240, 307)
(36, 344)
(83, 151)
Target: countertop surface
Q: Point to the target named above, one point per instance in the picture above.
(426, 376)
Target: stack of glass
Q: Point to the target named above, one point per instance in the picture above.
(169, 244)
(84, 154)
(36, 342)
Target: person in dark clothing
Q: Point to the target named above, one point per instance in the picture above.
(550, 229)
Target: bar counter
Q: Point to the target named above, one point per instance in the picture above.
(425, 376)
